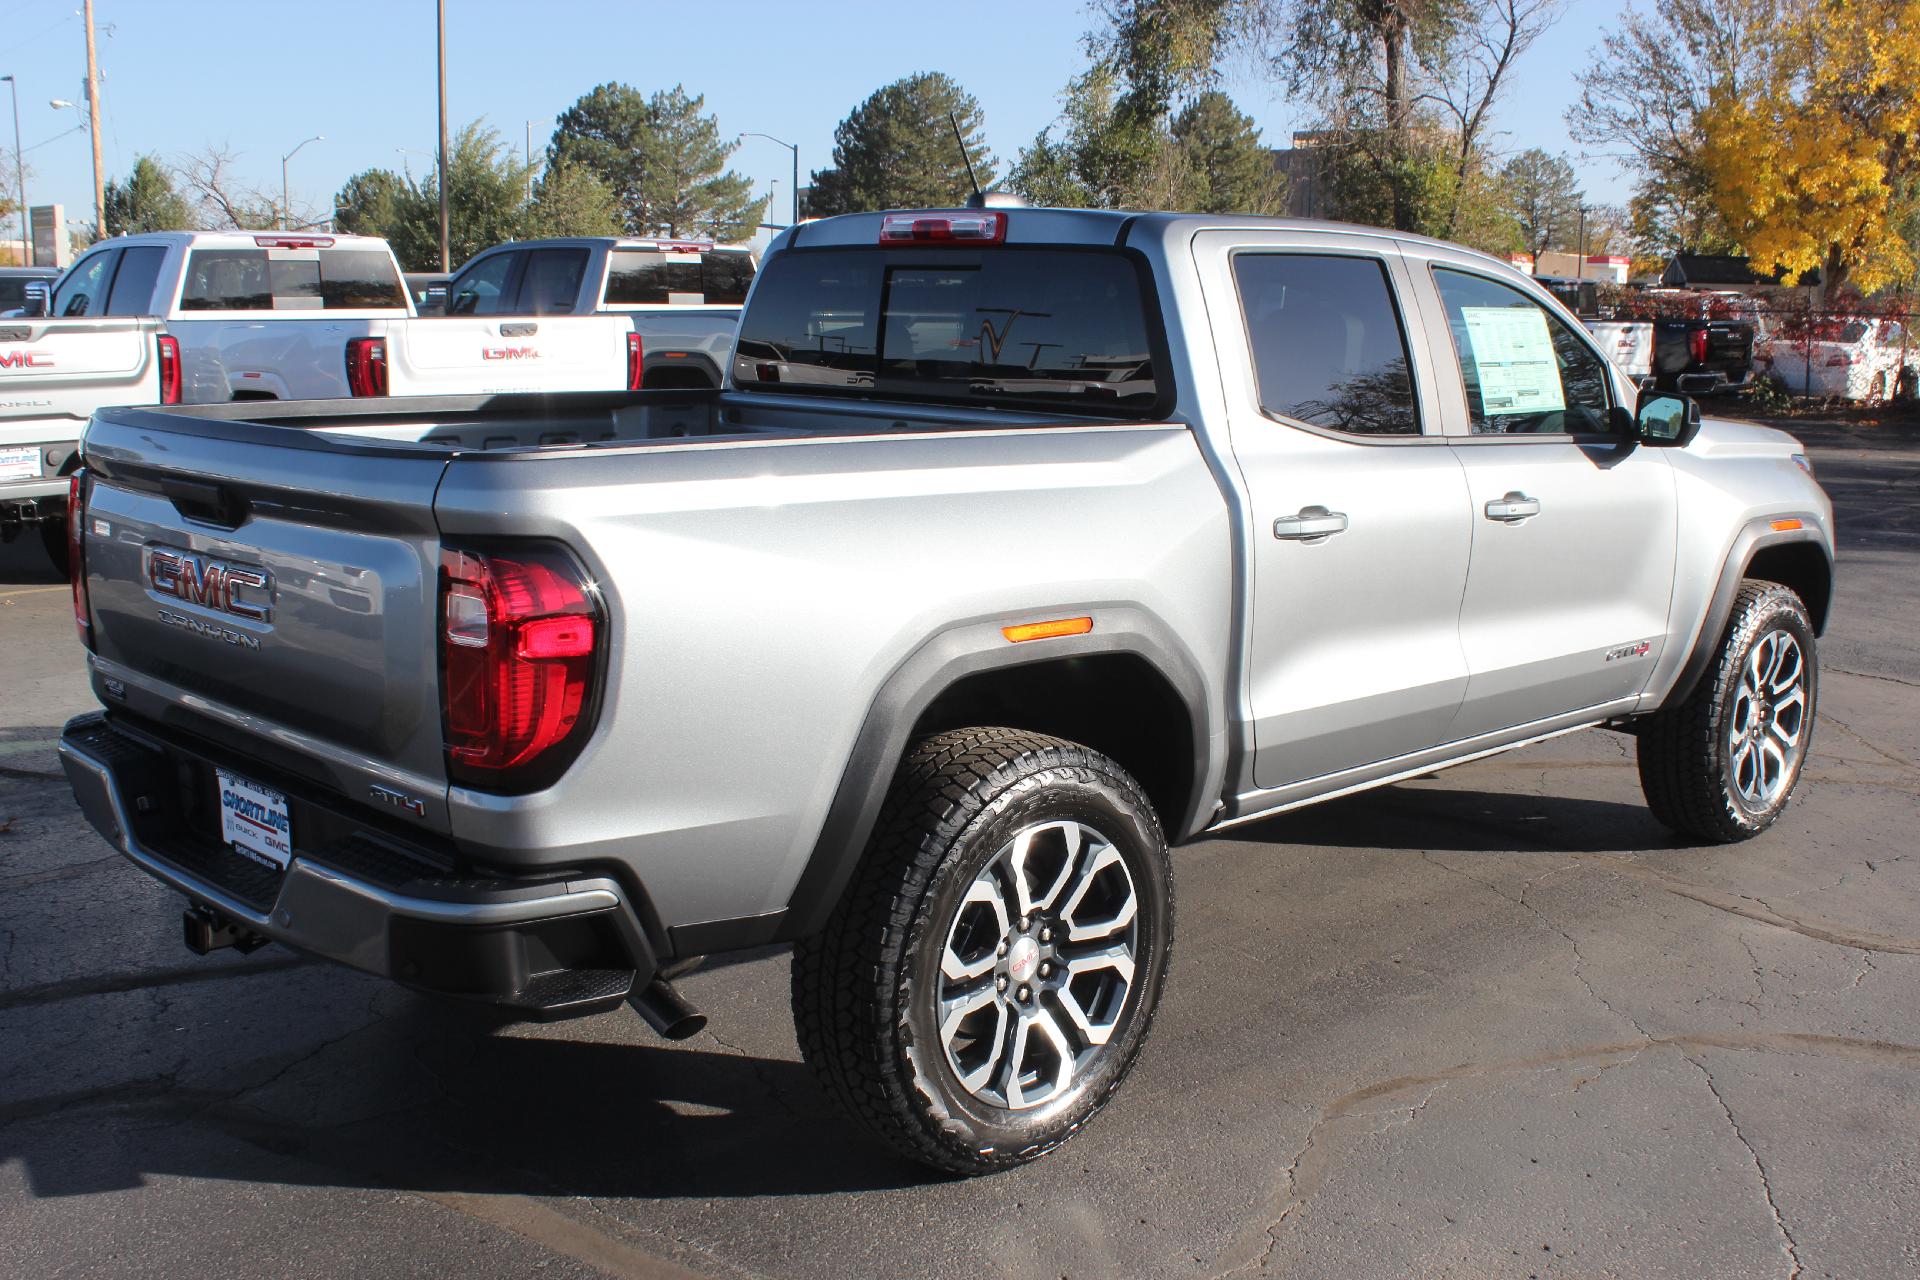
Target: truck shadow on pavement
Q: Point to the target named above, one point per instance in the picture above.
(429, 1099)
(1465, 821)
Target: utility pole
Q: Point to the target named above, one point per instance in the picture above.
(529, 162)
(446, 263)
(93, 122)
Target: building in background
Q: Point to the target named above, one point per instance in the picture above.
(52, 246)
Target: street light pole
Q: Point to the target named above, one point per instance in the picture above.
(286, 205)
(793, 147)
(20, 171)
(446, 257)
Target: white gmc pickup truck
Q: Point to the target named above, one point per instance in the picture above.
(255, 316)
(291, 316)
(53, 375)
(681, 297)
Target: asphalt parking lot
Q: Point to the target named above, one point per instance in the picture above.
(1489, 1023)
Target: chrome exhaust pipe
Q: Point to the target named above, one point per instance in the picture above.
(666, 1012)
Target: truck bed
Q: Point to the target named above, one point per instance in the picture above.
(538, 423)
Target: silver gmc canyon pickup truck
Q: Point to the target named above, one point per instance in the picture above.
(1020, 545)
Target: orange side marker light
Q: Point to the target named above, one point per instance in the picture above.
(1785, 526)
(1047, 630)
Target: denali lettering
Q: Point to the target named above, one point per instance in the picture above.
(200, 580)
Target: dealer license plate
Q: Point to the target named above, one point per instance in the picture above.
(253, 819)
(20, 462)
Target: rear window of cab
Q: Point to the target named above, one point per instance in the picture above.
(1007, 327)
(291, 280)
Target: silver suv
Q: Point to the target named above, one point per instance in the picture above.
(1021, 544)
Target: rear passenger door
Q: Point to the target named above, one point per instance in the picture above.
(1573, 523)
(1359, 534)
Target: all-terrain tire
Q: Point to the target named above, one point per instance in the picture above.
(865, 989)
(1690, 754)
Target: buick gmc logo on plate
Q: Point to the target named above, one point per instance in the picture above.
(209, 583)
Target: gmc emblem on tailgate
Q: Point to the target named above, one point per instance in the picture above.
(202, 580)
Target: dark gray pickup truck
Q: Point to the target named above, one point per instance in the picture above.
(1021, 545)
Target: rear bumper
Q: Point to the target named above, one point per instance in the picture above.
(1713, 382)
(557, 946)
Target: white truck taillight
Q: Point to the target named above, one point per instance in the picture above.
(77, 554)
(169, 359)
(367, 366)
(967, 226)
(1697, 346)
(522, 634)
(636, 362)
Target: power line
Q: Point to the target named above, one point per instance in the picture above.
(79, 128)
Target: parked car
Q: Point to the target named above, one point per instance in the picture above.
(14, 282)
(1845, 359)
(1026, 543)
(428, 290)
(1628, 343)
(293, 316)
(53, 375)
(683, 297)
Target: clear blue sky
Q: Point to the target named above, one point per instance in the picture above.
(261, 76)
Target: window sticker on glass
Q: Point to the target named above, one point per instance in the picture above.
(1513, 353)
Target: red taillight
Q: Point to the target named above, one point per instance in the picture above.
(77, 554)
(1839, 360)
(973, 226)
(169, 368)
(1697, 345)
(367, 366)
(636, 361)
(520, 641)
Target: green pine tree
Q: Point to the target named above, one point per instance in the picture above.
(145, 201)
(896, 150)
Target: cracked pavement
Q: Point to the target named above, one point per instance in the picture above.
(1491, 1023)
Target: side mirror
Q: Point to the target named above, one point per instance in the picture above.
(1666, 418)
(39, 298)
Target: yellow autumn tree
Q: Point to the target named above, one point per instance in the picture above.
(1813, 163)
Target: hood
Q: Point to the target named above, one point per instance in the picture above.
(1727, 438)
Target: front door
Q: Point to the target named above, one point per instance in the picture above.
(1359, 537)
(1573, 523)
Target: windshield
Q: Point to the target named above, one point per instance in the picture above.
(1006, 326)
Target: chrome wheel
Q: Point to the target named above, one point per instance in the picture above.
(1766, 733)
(1038, 964)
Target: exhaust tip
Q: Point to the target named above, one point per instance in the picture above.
(667, 1012)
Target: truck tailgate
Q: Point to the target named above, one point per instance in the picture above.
(64, 368)
(275, 583)
(436, 355)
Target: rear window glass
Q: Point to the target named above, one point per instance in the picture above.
(1326, 340)
(326, 279)
(1002, 326)
(652, 277)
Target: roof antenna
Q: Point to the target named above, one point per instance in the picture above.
(977, 200)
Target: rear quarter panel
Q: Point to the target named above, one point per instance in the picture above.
(760, 595)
